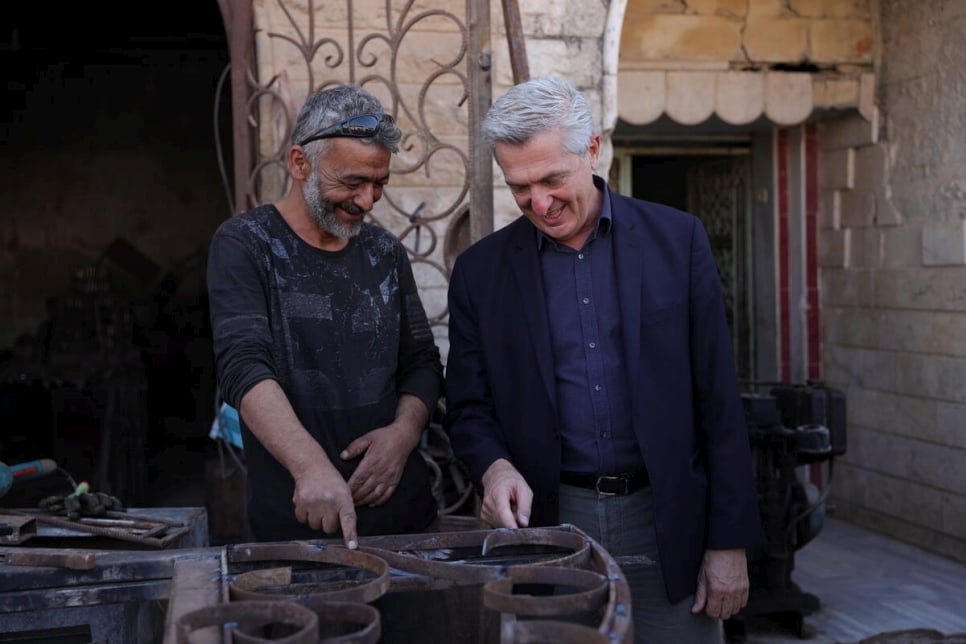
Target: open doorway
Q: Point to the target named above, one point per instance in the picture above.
(112, 122)
(713, 183)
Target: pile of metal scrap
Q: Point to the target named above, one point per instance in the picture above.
(147, 531)
(81, 513)
(96, 579)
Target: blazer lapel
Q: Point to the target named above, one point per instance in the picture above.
(525, 267)
(628, 265)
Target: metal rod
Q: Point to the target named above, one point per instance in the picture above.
(516, 41)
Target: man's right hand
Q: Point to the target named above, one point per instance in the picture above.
(323, 501)
(321, 498)
(507, 498)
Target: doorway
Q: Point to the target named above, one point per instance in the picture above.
(712, 182)
(112, 129)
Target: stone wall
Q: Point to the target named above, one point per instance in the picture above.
(745, 34)
(894, 284)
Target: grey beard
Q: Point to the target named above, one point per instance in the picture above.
(323, 211)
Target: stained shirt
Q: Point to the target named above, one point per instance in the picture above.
(580, 288)
(344, 333)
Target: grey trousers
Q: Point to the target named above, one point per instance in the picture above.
(624, 525)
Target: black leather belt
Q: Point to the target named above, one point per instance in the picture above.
(610, 484)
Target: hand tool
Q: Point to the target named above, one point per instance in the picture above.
(10, 474)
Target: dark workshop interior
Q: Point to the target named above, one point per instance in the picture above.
(117, 138)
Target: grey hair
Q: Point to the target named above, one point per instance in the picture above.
(538, 105)
(335, 104)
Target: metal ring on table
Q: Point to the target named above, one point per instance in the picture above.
(364, 616)
(246, 585)
(592, 594)
(253, 614)
(538, 631)
(468, 572)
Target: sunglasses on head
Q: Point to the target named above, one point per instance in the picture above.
(358, 127)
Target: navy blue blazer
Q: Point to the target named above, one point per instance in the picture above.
(686, 404)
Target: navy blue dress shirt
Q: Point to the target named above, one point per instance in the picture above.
(592, 396)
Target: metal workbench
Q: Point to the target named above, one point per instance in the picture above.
(466, 585)
(103, 580)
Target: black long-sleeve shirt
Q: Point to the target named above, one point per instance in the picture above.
(344, 333)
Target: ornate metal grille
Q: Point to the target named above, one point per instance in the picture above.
(717, 195)
(416, 61)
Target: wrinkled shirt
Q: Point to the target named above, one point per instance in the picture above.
(344, 333)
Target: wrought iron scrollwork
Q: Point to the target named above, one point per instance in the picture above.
(427, 96)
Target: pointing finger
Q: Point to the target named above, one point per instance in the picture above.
(347, 517)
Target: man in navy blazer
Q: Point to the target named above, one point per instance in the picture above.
(590, 377)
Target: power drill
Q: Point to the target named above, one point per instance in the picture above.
(10, 474)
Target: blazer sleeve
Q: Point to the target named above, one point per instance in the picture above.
(470, 420)
(733, 516)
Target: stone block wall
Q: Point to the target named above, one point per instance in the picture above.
(894, 284)
(743, 59)
(741, 34)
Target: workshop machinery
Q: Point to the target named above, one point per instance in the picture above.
(796, 431)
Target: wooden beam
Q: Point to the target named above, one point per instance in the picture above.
(516, 41)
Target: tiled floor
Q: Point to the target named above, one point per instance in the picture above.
(869, 585)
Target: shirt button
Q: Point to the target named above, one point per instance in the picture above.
(580, 255)
(586, 300)
(597, 387)
(592, 345)
(604, 434)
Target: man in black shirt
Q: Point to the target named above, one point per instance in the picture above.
(321, 341)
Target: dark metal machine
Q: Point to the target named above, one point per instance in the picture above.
(796, 431)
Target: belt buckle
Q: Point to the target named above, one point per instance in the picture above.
(622, 479)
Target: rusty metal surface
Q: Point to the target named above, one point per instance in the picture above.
(239, 30)
(18, 528)
(477, 221)
(573, 576)
(591, 591)
(242, 616)
(516, 41)
(71, 560)
(276, 583)
(439, 555)
(191, 588)
(149, 531)
(533, 631)
(526, 585)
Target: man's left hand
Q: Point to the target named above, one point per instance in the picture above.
(384, 452)
(722, 584)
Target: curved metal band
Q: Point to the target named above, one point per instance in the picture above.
(533, 631)
(593, 591)
(246, 585)
(354, 613)
(253, 614)
(464, 572)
